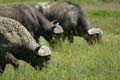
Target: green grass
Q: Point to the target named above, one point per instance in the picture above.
(79, 61)
(98, 1)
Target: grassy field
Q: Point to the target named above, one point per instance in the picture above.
(79, 61)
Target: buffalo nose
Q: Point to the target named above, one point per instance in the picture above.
(48, 62)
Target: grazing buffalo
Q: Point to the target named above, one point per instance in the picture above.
(72, 18)
(16, 43)
(32, 19)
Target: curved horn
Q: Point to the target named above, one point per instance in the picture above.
(58, 28)
(44, 51)
(95, 31)
(55, 21)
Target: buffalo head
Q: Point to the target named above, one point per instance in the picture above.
(94, 35)
(54, 31)
(42, 58)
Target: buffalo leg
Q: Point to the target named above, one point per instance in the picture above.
(12, 60)
(70, 37)
(2, 63)
(2, 68)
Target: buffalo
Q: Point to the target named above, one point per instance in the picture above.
(32, 19)
(16, 43)
(72, 18)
